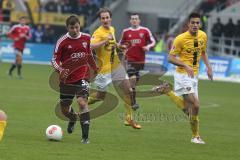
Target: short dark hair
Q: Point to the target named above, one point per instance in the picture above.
(194, 15)
(133, 14)
(102, 10)
(72, 20)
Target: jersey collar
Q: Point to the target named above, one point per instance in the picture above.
(135, 29)
(80, 33)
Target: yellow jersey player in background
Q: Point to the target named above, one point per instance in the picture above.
(190, 47)
(110, 68)
(3, 123)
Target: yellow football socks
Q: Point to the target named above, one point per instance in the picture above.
(176, 99)
(2, 127)
(128, 107)
(194, 122)
(93, 98)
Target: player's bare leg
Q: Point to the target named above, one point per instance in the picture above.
(133, 82)
(126, 91)
(84, 118)
(19, 64)
(68, 112)
(192, 103)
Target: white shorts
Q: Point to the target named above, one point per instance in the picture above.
(183, 84)
(103, 80)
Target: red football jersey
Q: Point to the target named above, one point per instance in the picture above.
(19, 34)
(135, 39)
(74, 54)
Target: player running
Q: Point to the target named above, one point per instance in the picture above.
(190, 47)
(138, 40)
(19, 33)
(73, 60)
(111, 69)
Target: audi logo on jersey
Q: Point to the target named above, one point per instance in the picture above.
(78, 55)
(136, 41)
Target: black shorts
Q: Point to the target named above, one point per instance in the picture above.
(133, 68)
(78, 89)
(20, 50)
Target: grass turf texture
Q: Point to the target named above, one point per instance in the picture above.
(30, 102)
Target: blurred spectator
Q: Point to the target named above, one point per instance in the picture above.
(48, 36)
(38, 34)
(229, 29)
(217, 32)
(65, 6)
(7, 7)
(51, 6)
(169, 42)
(237, 34)
(217, 29)
(228, 32)
(160, 45)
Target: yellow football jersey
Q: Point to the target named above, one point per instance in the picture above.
(105, 59)
(189, 49)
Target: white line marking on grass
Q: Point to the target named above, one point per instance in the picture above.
(209, 105)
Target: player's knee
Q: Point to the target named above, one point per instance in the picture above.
(196, 106)
(3, 116)
(82, 102)
(65, 103)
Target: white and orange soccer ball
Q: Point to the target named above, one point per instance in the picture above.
(54, 132)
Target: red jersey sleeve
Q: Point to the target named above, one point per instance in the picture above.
(57, 56)
(150, 39)
(11, 34)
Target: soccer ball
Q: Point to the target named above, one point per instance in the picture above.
(54, 132)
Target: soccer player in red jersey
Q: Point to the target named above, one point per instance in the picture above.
(138, 40)
(19, 33)
(73, 60)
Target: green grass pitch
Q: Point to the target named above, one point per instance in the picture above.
(30, 102)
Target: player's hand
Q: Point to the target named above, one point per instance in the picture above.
(64, 74)
(145, 48)
(122, 47)
(109, 38)
(189, 71)
(209, 73)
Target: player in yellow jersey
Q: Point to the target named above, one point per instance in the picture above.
(110, 69)
(190, 47)
(3, 123)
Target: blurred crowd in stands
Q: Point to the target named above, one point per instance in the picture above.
(46, 33)
(227, 35)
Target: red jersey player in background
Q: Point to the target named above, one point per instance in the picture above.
(72, 59)
(138, 40)
(19, 33)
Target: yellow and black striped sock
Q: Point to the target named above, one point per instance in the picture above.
(194, 122)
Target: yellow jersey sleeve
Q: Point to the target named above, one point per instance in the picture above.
(96, 37)
(177, 47)
(205, 42)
